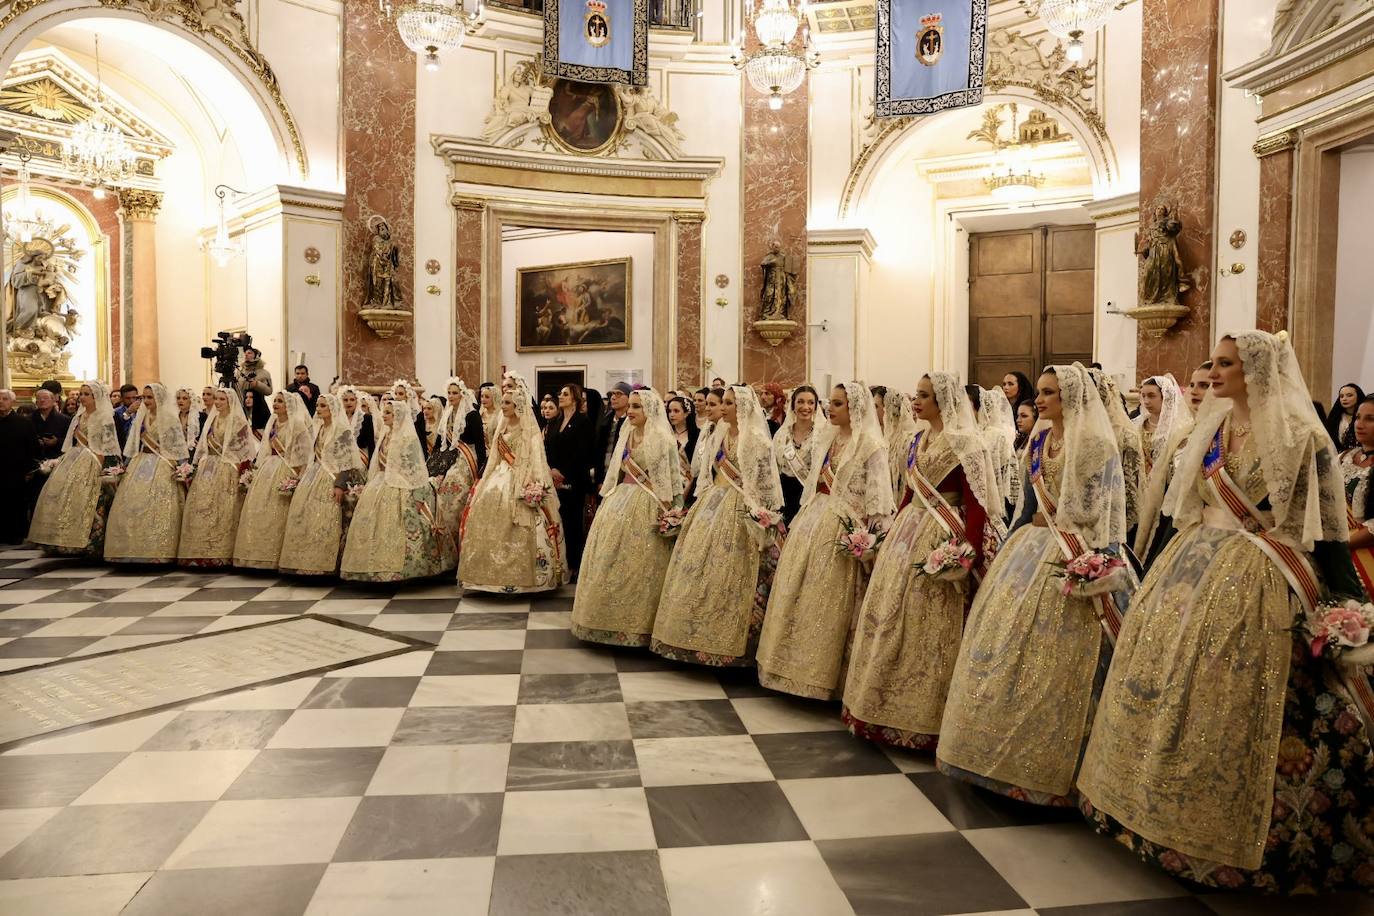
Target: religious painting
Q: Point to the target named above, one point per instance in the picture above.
(582, 306)
(584, 117)
(551, 379)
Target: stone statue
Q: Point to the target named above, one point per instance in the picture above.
(1161, 270)
(779, 285)
(644, 112)
(516, 102)
(383, 260)
(39, 321)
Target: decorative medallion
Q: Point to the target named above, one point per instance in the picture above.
(431, 266)
(1238, 238)
(596, 28)
(722, 281)
(312, 255)
(930, 40)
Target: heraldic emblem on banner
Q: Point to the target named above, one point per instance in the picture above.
(597, 41)
(929, 56)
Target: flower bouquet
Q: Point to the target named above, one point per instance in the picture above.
(860, 539)
(46, 467)
(184, 473)
(112, 473)
(354, 490)
(533, 494)
(246, 478)
(1337, 630)
(1094, 573)
(670, 522)
(288, 484)
(949, 562)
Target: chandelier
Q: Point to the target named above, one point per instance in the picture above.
(430, 26)
(97, 153)
(22, 216)
(1013, 176)
(776, 68)
(1072, 19)
(223, 248)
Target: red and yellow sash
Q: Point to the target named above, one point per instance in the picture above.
(1363, 557)
(935, 502)
(636, 475)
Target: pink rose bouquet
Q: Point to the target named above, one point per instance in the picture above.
(1092, 573)
(288, 485)
(533, 494)
(1335, 629)
(46, 467)
(184, 472)
(950, 561)
(246, 478)
(670, 522)
(860, 539)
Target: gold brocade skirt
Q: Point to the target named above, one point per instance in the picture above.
(211, 517)
(390, 539)
(708, 590)
(314, 527)
(262, 523)
(1186, 738)
(450, 502)
(907, 637)
(1022, 689)
(816, 592)
(66, 510)
(622, 572)
(145, 519)
(501, 555)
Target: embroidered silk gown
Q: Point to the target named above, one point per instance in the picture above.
(70, 517)
(391, 537)
(316, 525)
(210, 520)
(145, 518)
(452, 499)
(910, 624)
(262, 523)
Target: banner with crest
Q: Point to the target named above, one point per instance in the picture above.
(929, 56)
(597, 41)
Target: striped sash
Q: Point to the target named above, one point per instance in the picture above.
(732, 477)
(935, 502)
(1070, 545)
(1363, 557)
(636, 474)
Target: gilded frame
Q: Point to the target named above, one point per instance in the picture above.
(610, 143)
(627, 344)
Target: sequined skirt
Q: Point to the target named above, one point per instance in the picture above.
(501, 554)
(66, 518)
(907, 638)
(145, 518)
(262, 523)
(450, 503)
(210, 520)
(1021, 697)
(816, 592)
(390, 538)
(314, 530)
(622, 572)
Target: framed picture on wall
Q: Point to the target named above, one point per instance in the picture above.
(581, 306)
(551, 379)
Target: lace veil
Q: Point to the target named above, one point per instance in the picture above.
(968, 442)
(657, 451)
(237, 434)
(784, 450)
(399, 446)
(337, 449)
(758, 471)
(1174, 424)
(452, 420)
(171, 439)
(1127, 440)
(191, 431)
(367, 405)
(99, 427)
(412, 397)
(299, 444)
(523, 436)
(870, 492)
(1305, 493)
(1092, 495)
(997, 424)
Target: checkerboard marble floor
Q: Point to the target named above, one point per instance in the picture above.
(507, 770)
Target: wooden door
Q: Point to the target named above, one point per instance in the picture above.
(1030, 300)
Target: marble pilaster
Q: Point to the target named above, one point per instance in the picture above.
(467, 290)
(1275, 254)
(687, 359)
(140, 212)
(774, 204)
(378, 94)
(1178, 125)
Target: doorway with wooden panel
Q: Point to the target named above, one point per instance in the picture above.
(1030, 300)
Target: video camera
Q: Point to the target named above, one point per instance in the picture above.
(224, 350)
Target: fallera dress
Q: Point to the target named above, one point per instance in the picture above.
(74, 504)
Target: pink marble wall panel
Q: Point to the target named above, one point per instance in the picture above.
(688, 356)
(1178, 105)
(774, 204)
(378, 92)
(1275, 240)
(467, 294)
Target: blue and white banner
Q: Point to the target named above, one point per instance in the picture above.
(929, 55)
(597, 41)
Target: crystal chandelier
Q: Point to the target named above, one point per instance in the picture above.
(97, 153)
(430, 26)
(1072, 19)
(223, 248)
(776, 68)
(22, 216)
(1013, 176)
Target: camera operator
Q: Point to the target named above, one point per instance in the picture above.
(252, 374)
(303, 386)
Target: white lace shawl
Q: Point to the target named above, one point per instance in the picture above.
(236, 432)
(1127, 441)
(398, 457)
(786, 452)
(298, 439)
(656, 453)
(336, 449)
(1304, 488)
(754, 452)
(171, 440)
(997, 424)
(191, 428)
(1174, 424)
(863, 473)
(98, 427)
(1092, 494)
(453, 419)
(969, 443)
(367, 406)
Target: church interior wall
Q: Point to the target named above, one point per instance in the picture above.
(1353, 357)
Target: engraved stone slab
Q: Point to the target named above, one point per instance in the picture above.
(87, 690)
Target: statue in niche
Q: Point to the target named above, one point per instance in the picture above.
(39, 318)
(779, 285)
(383, 260)
(1161, 270)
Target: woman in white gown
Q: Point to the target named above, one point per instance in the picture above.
(69, 519)
(287, 444)
(210, 520)
(322, 506)
(1164, 424)
(512, 535)
(458, 464)
(145, 519)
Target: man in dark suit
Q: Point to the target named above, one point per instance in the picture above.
(608, 430)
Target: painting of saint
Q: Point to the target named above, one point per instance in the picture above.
(584, 306)
(584, 117)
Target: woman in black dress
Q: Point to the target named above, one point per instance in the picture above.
(568, 448)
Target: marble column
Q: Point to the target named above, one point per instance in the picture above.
(687, 320)
(774, 206)
(140, 212)
(378, 93)
(1275, 252)
(467, 290)
(1179, 66)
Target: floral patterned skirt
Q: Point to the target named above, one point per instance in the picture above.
(210, 520)
(145, 518)
(262, 524)
(390, 538)
(69, 519)
(315, 526)
(622, 572)
(510, 547)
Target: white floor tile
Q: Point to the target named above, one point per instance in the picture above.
(277, 831)
(338, 728)
(649, 686)
(17, 823)
(168, 776)
(411, 664)
(571, 722)
(84, 626)
(446, 770)
(128, 735)
(467, 690)
(845, 807)
(457, 887)
(699, 761)
(575, 820)
(776, 715)
(286, 695)
(83, 895)
(760, 879)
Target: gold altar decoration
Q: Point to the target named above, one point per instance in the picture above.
(39, 315)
